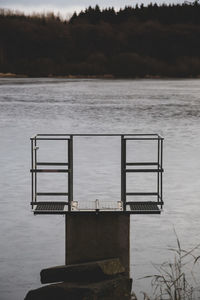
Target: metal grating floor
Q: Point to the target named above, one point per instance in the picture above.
(145, 207)
(50, 207)
(61, 208)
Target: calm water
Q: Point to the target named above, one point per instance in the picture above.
(29, 106)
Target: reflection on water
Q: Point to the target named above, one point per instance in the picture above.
(29, 106)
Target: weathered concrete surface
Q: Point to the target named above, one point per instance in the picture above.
(118, 288)
(84, 272)
(91, 237)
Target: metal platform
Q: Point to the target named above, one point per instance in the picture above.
(61, 208)
(50, 207)
(132, 206)
(145, 208)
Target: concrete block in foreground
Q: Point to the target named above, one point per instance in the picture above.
(84, 272)
(118, 288)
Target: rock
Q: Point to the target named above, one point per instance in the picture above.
(118, 288)
(84, 272)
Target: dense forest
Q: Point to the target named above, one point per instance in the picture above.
(141, 41)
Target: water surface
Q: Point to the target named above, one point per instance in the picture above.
(28, 106)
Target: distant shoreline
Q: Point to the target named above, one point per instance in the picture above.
(135, 42)
(105, 76)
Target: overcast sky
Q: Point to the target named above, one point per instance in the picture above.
(66, 7)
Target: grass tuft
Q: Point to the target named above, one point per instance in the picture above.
(173, 279)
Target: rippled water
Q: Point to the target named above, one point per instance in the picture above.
(28, 106)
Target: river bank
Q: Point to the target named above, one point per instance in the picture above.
(105, 76)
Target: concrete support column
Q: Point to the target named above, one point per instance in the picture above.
(91, 237)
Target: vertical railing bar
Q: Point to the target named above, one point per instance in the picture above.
(161, 173)
(68, 154)
(158, 174)
(35, 167)
(122, 181)
(123, 173)
(69, 196)
(70, 173)
(32, 175)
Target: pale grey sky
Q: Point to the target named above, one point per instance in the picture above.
(66, 7)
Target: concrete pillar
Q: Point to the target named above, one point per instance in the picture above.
(91, 237)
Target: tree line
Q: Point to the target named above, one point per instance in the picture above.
(141, 41)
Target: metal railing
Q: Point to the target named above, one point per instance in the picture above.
(68, 164)
(126, 167)
(138, 167)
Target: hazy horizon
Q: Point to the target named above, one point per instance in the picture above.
(66, 9)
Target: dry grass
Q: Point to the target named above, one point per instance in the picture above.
(175, 280)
